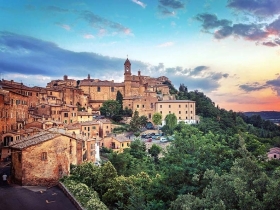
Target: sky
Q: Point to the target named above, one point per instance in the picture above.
(228, 49)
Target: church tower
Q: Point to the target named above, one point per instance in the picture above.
(127, 78)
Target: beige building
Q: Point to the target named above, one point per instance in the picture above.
(117, 143)
(42, 159)
(183, 109)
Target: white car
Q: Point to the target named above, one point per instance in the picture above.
(163, 139)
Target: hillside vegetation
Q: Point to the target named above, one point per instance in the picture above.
(217, 164)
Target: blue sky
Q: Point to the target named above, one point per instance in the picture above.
(229, 49)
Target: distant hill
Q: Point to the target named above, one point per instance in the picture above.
(266, 115)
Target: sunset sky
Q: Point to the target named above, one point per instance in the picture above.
(228, 49)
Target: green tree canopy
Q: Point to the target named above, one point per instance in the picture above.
(170, 122)
(157, 118)
(110, 108)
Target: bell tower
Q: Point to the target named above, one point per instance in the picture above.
(127, 78)
(127, 70)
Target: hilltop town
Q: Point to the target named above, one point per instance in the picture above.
(44, 130)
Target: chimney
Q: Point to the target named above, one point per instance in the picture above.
(88, 76)
(65, 77)
(139, 73)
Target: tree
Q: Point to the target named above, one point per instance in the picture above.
(137, 121)
(119, 98)
(110, 108)
(154, 152)
(170, 122)
(127, 112)
(143, 120)
(157, 118)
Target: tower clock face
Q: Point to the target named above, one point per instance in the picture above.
(127, 68)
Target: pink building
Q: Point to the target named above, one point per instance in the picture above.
(274, 153)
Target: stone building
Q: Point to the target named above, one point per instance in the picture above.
(13, 110)
(183, 109)
(42, 159)
(139, 92)
(117, 143)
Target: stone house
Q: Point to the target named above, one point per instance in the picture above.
(116, 142)
(42, 159)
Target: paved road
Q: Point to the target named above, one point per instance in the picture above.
(18, 198)
(15, 197)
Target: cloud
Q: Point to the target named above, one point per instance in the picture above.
(139, 3)
(64, 26)
(88, 36)
(266, 34)
(166, 44)
(30, 56)
(252, 87)
(174, 4)
(260, 8)
(210, 21)
(165, 12)
(100, 23)
(169, 7)
(274, 84)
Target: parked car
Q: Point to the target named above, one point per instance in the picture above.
(156, 136)
(163, 139)
(149, 140)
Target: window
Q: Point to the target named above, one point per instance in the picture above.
(169, 106)
(191, 112)
(88, 128)
(191, 105)
(179, 118)
(44, 156)
(143, 106)
(107, 126)
(179, 112)
(169, 112)
(186, 112)
(112, 89)
(186, 118)
(160, 112)
(186, 106)
(65, 114)
(160, 106)
(275, 156)
(85, 128)
(93, 127)
(98, 89)
(127, 144)
(122, 144)
(137, 105)
(65, 121)
(179, 106)
(150, 115)
(50, 93)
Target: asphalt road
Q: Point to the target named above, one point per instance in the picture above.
(18, 198)
(15, 197)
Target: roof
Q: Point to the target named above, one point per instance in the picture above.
(33, 140)
(84, 114)
(121, 138)
(176, 101)
(89, 123)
